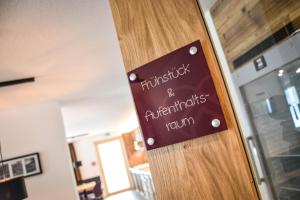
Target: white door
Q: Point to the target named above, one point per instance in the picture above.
(113, 166)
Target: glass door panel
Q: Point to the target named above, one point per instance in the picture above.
(272, 102)
(257, 43)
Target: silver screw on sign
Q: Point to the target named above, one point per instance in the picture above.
(215, 123)
(150, 141)
(132, 77)
(193, 50)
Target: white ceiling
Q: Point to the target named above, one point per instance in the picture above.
(71, 47)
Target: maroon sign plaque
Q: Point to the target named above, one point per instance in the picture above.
(175, 98)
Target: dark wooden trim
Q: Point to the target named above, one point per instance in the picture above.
(74, 159)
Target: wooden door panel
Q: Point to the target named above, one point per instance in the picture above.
(212, 167)
(243, 24)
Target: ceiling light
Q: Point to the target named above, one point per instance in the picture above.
(280, 74)
(281, 71)
(298, 70)
(13, 189)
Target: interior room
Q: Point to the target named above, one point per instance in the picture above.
(150, 99)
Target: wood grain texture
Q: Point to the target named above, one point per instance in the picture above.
(242, 24)
(212, 167)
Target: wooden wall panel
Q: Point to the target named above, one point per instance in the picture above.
(242, 24)
(134, 157)
(212, 167)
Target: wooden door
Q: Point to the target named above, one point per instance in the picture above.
(211, 167)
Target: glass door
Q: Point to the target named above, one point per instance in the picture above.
(272, 102)
(257, 43)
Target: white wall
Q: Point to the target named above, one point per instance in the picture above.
(39, 128)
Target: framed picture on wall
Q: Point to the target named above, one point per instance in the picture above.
(27, 165)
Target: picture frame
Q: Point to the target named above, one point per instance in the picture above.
(26, 166)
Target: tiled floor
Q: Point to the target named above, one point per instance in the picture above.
(129, 195)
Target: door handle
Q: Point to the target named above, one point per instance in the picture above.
(253, 154)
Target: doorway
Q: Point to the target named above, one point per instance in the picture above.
(118, 162)
(113, 165)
